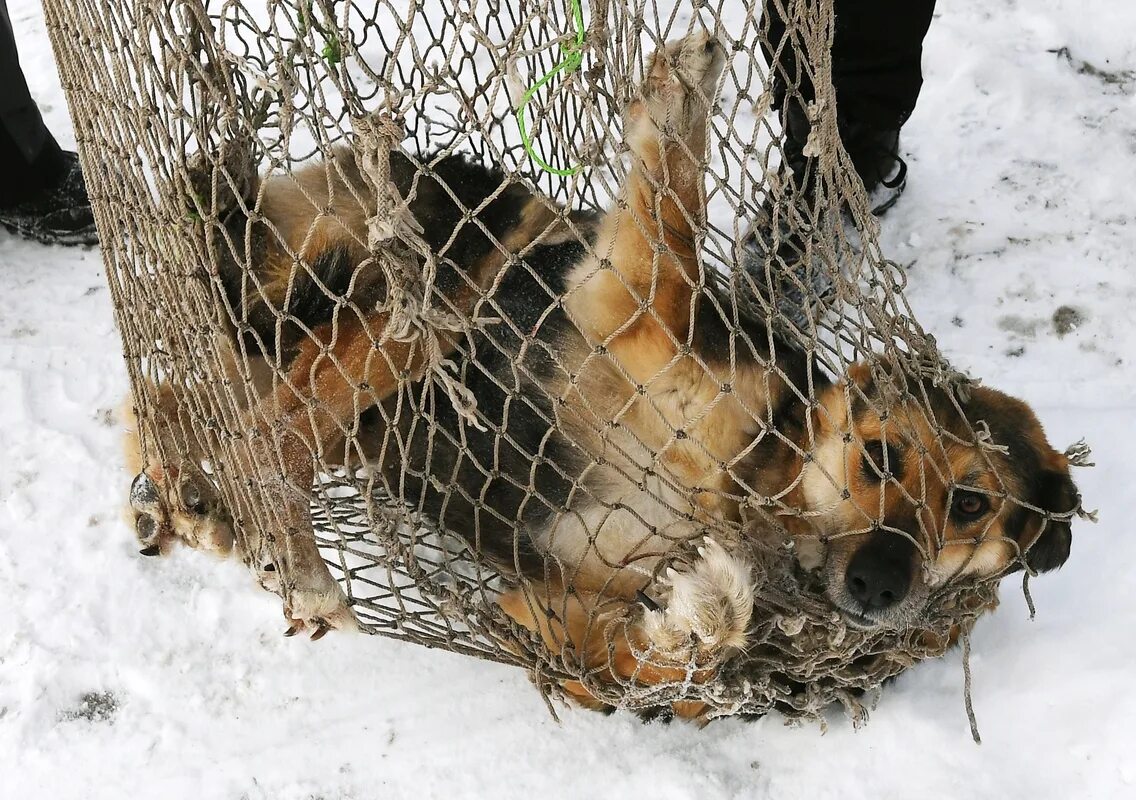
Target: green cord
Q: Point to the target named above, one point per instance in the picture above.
(573, 56)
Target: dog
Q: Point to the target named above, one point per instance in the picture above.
(624, 414)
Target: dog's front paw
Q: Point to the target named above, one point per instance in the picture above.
(706, 610)
(178, 503)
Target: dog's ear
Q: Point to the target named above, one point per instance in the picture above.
(1047, 541)
(1044, 478)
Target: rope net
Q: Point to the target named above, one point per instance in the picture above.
(524, 330)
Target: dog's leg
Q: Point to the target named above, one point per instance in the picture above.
(171, 499)
(330, 382)
(703, 616)
(170, 496)
(636, 296)
(177, 501)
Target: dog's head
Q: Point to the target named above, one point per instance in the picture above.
(907, 497)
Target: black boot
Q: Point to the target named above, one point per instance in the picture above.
(875, 157)
(57, 213)
(777, 250)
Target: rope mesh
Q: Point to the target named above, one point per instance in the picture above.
(221, 137)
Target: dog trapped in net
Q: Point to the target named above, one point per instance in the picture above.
(650, 471)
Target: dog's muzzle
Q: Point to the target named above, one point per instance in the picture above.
(878, 579)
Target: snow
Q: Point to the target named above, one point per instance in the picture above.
(170, 678)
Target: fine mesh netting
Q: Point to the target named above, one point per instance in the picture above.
(479, 324)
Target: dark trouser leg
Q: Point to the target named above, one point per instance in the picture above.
(876, 57)
(876, 65)
(30, 159)
(877, 74)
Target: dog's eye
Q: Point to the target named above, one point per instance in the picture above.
(880, 458)
(969, 506)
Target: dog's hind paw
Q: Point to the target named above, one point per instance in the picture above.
(706, 609)
(680, 86)
(178, 503)
(219, 181)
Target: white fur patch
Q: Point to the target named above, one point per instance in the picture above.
(959, 561)
(708, 608)
(824, 475)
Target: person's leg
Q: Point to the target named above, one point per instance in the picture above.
(877, 59)
(30, 159)
(876, 72)
(42, 193)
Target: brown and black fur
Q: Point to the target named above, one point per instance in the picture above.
(607, 439)
(307, 252)
(621, 414)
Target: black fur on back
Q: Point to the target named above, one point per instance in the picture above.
(316, 290)
(462, 207)
(446, 194)
(490, 486)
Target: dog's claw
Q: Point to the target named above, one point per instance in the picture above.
(647, 602)
(146, 528)
(144, 494)
(317, 612)
(190, 494)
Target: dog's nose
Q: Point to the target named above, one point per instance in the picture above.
(879, 574)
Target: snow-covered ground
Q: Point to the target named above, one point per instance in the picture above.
(169, 678)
